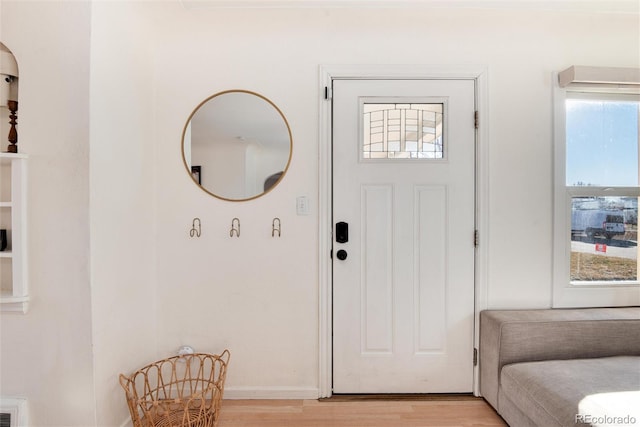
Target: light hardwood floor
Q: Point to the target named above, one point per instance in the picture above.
(469, 412)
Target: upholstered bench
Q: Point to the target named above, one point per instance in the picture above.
(562, 367)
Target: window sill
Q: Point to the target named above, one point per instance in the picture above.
(617, 284)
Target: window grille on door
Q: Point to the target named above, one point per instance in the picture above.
(403, 131)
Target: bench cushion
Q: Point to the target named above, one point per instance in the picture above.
(512, 336)
(550, 392)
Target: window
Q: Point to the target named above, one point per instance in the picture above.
(402, 131)
(596, 195)
(601, 140)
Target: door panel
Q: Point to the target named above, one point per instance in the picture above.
(403, 178)
(430, 287)
(377, 269)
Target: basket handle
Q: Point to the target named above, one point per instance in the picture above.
(124, 383)
(225, 355)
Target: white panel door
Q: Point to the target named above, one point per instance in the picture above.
(403, 181)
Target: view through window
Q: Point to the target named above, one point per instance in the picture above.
(602, 182)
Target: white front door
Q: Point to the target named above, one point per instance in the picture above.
(403, 253)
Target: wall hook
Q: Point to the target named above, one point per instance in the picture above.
(196, 230)
(235, 227)
(275, 227)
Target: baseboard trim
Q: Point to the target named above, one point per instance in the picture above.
(235, 393)
(442, 397)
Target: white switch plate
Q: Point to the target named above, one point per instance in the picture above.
(302, 205)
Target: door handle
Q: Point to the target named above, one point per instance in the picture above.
(341, 254)
(342, 232)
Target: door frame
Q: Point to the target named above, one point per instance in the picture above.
(327, 74)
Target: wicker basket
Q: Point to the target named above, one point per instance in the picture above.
(183, 391)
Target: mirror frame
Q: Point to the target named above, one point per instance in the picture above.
(248, 92)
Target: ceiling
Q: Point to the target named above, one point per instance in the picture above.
(603, 6)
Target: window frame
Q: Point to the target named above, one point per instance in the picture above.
(566, 293)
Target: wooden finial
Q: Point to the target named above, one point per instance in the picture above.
(13, 133)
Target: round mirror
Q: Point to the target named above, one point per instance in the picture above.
(236, 145)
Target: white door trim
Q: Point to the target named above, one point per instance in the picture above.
(327, 74)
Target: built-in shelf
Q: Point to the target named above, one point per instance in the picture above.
(13, 266)
(7, 158)
(14, 304)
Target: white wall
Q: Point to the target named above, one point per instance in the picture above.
(66, 353)
(46, 354)
(122, 201)
(258, 295)
(155, 288)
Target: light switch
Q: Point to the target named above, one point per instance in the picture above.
(302, 205)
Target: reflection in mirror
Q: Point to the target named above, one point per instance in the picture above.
(237, 145)
(272, 180)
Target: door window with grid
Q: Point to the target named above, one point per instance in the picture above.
(403, 131)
